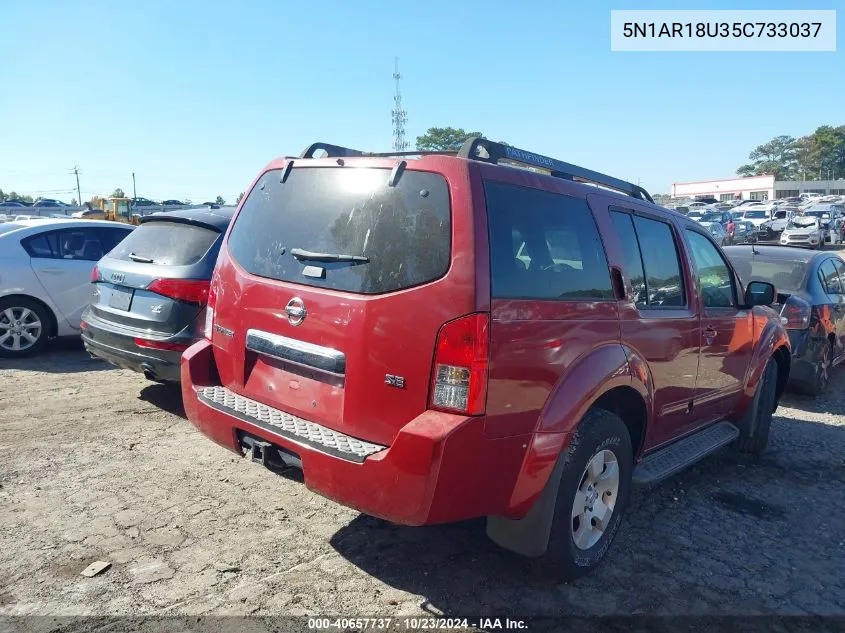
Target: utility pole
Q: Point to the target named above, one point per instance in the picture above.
(78, 192)
(134, 193)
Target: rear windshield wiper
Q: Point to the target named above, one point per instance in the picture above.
(141, 259)
(328, 257)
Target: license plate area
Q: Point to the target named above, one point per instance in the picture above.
(121, 298)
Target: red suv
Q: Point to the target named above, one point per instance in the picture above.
(433, 337)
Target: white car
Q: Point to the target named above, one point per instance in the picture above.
(803, 231)
(756, 216)
(45, 275)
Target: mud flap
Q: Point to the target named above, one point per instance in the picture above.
(529, 536)
(747, 424)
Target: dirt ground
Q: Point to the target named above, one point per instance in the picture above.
(97, 464)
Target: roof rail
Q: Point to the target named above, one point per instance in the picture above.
(338, 151)
(478, 148)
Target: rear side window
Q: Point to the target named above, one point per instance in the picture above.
(167, 243)
(830, 278)
(664, 281)
(840, 268)
(397, 237)
(544, 246)
(85, 244)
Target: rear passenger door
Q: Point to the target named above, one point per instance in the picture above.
(659, 321)
(552, 300)
(62, 261)
(727, 332)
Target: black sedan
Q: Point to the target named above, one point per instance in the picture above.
(811, 302)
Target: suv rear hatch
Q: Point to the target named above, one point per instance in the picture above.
(156, 280)
(332, 287)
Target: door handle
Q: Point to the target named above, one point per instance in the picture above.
(50, 270)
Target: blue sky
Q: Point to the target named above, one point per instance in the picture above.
(195, 97)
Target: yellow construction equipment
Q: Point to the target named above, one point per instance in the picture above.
(118, 210)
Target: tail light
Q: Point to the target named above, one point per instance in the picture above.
(209, 313)
(191, 290)
(795, 314)
(171, 347)
(459, 381)
(95, 274)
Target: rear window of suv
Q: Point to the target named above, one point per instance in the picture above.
(400, 235)
(167, 243)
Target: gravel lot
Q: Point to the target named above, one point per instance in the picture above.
(98, 464)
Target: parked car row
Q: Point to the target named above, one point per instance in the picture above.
(811, 224)
(38, 204)
(445, 337)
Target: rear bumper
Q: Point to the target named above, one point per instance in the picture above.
(121, 350)
(439, 468)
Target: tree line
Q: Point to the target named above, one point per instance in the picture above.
(817, 156)
(94, 201)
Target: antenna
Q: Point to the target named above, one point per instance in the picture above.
(400, 116)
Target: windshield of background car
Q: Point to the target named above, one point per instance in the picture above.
(712, 217)
(755, 214)
(403, 232)
(788, 276)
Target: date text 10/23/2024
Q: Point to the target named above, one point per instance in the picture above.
(417, 624)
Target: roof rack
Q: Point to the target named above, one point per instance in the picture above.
(337, 151)
(478, 148)
(481, 149)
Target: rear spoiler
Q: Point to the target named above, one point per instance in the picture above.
(180, 220)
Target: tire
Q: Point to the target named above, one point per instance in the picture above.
(823, 367)
(755, 430)
(575, 548)
(20, 319)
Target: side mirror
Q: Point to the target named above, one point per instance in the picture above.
(759, 293)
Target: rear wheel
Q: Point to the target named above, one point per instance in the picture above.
(23, 327)
(594, 487)
(823, 367)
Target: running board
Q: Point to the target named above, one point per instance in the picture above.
(683, 453)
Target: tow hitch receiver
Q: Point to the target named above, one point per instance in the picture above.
(258, 452)
(256, 449)
(267, 454)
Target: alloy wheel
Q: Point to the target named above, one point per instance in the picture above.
(20, 329)
(824, 367)
(595, 499)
